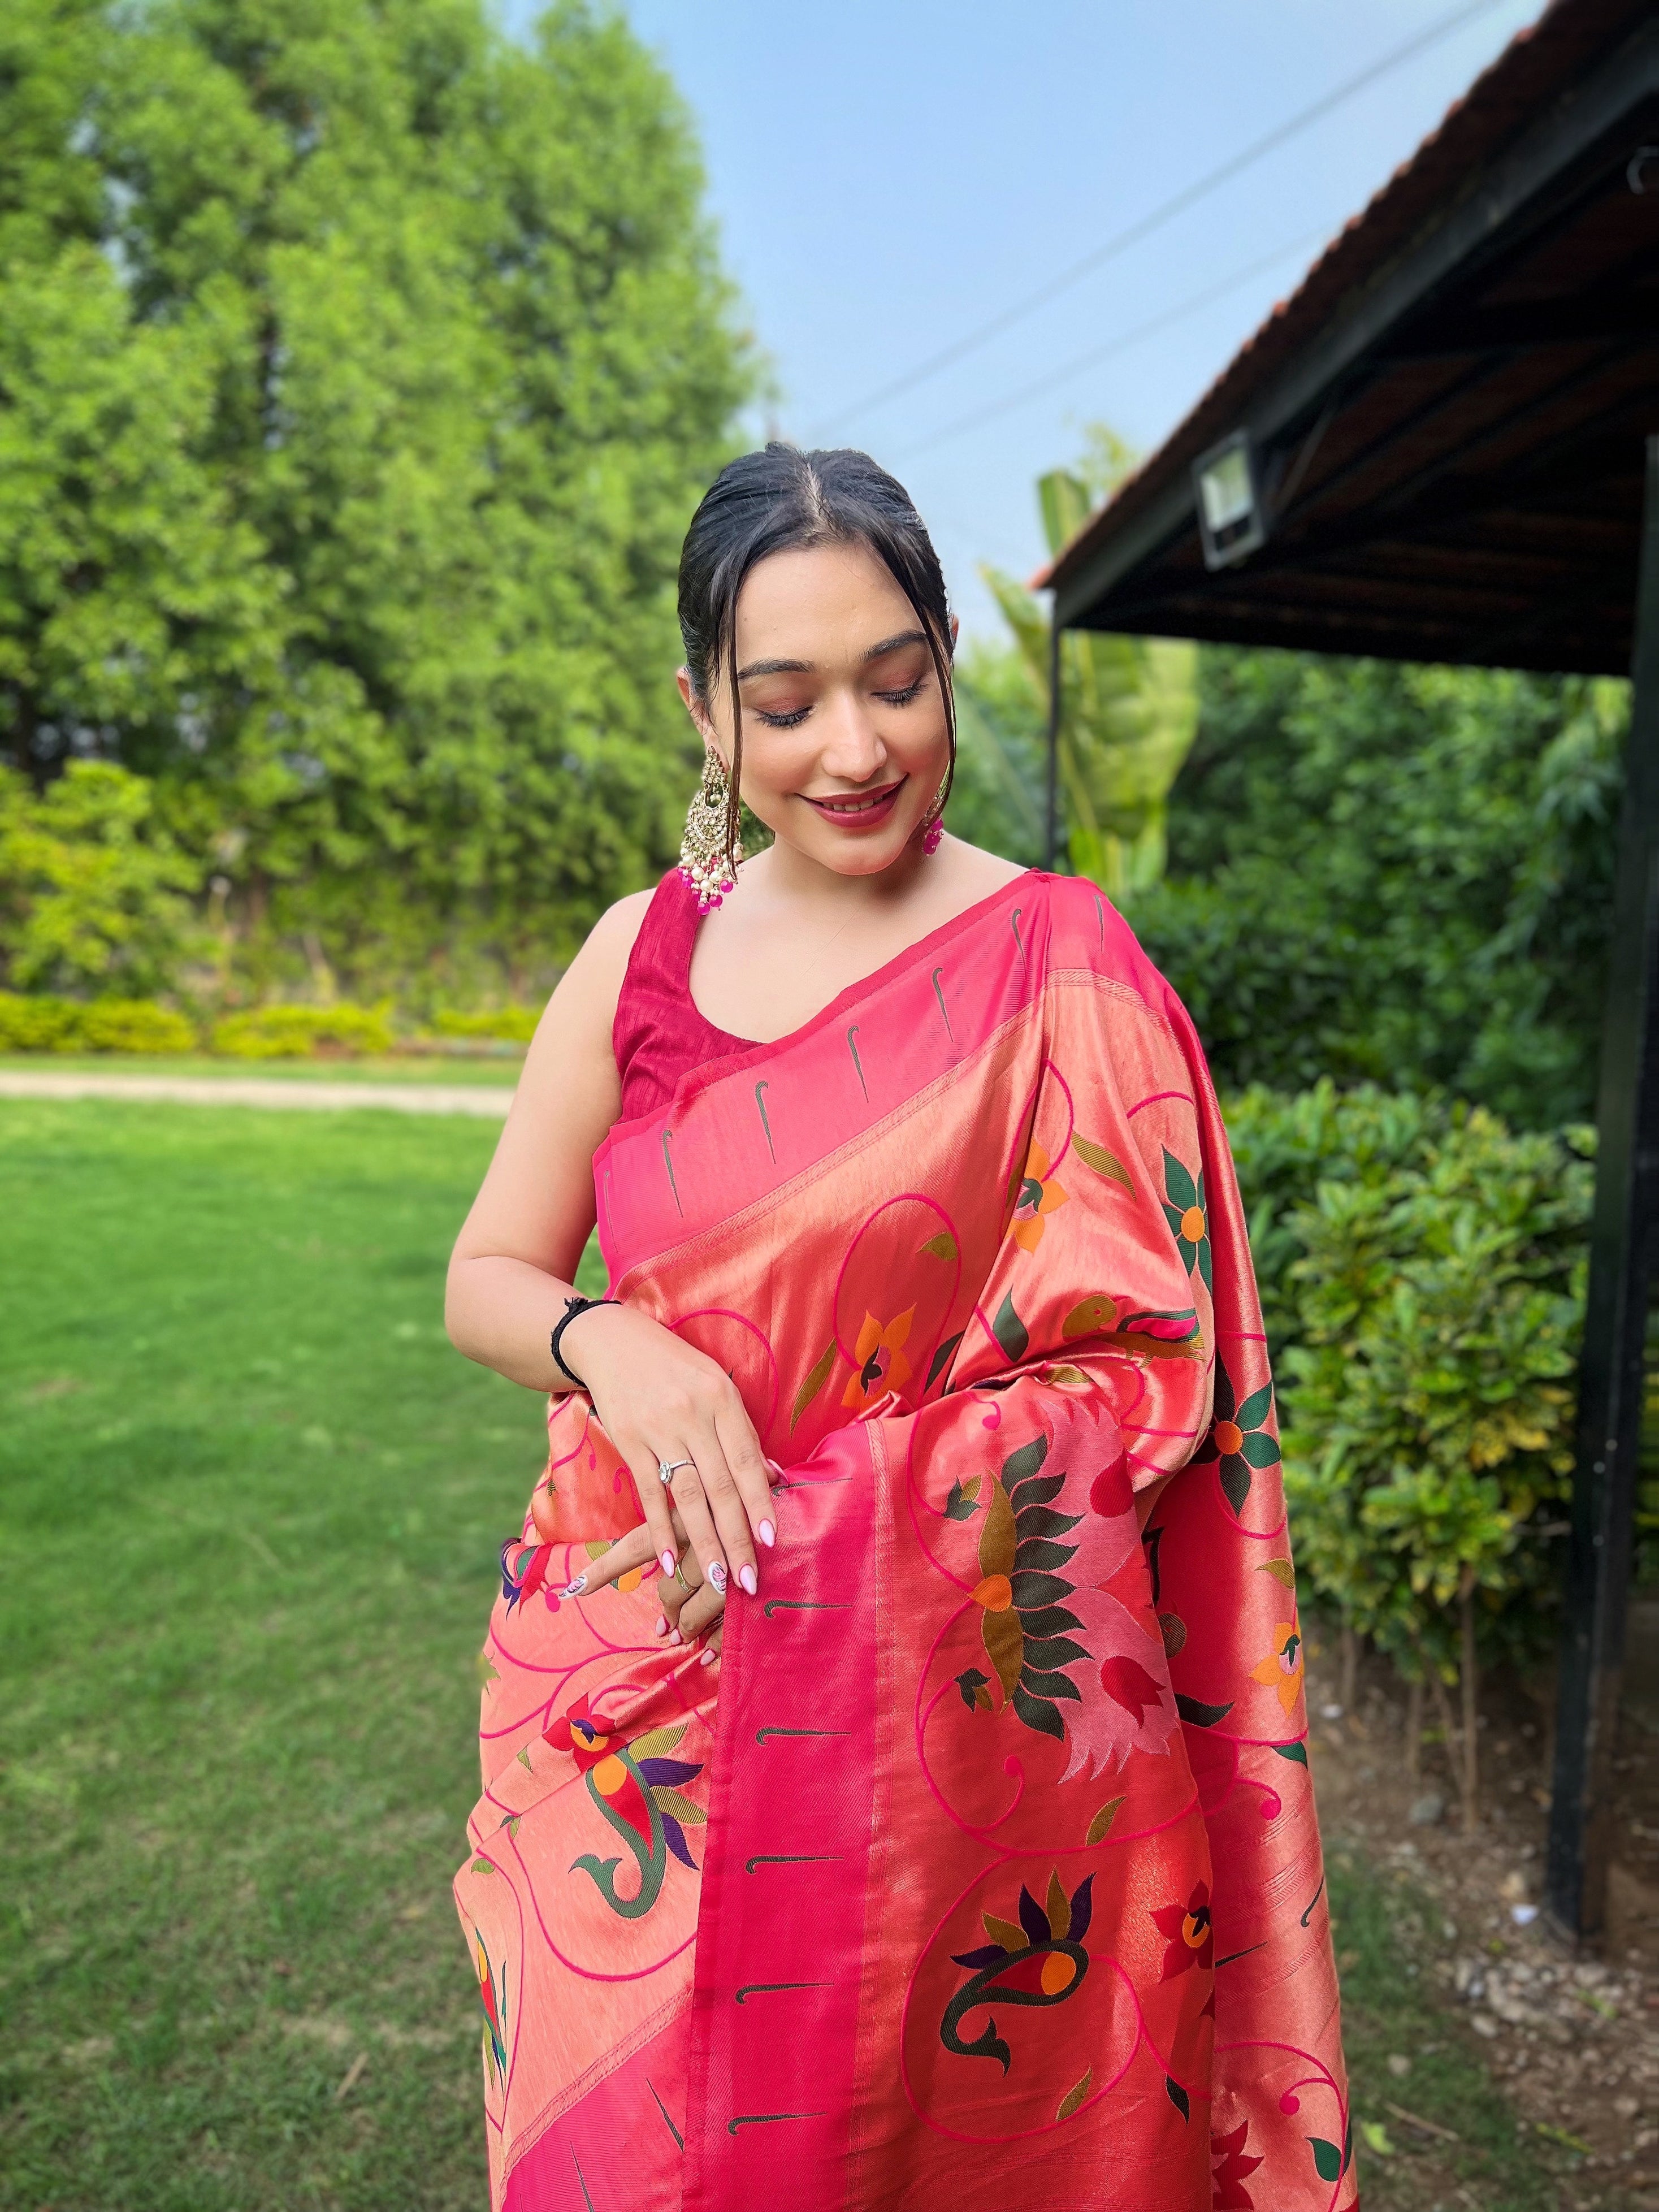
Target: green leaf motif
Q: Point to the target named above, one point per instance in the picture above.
(1235, 1483)
(1197, 1714)
(1298, 1752)
(942, 1247)
(963, 1502)
(814, 1382)
(1010, 1331)
(1252, 1413)
(976, 1689)
(1260, 1449)
(1020, 1465)
(1049, 1685)
(1104, 1162)
(1178, 2097)
(1327, 2158)
(482, 1866)
(1039, 1713)
(1183, 1191)
(942, 1358)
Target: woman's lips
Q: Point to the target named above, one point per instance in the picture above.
(858, 810)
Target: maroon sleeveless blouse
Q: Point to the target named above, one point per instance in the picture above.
(659, 1036)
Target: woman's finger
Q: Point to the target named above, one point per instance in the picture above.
(673, 1591)
(750, 1468)
(727, 1508)
(635, 1549)
(644, 1464)
(711, 1657)
(691, 1505)
(703, 1607)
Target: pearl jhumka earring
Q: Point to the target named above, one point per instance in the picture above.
(708, 863)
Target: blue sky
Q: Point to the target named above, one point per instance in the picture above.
(886, 175)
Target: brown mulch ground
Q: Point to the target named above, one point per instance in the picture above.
(1572, 2037)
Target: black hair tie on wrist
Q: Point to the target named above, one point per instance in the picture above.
(572, 1308)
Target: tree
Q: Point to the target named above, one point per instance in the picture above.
(1395, 874)
(92, 894)
(1128, 705)
(358, 371)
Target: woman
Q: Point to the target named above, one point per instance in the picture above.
(895, 1791)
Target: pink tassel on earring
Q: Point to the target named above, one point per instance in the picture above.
(933, 836)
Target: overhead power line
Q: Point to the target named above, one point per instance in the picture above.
(1119, 344)
(1123, 241)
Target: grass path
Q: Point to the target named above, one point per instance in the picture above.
(250, 1504)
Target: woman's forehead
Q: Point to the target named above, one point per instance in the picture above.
(819, 604)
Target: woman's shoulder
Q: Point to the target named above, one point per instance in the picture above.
(592, 984)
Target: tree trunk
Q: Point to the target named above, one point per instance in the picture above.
(1470, 1685)
(1414, 1731)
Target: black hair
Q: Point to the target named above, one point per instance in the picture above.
(776, 500)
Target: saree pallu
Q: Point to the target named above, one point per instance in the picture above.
(995, 1879)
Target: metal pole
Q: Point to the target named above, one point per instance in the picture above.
(1051, 816)
(1615, 1320)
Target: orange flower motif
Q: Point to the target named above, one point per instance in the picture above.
(879, 1362)
(1281, 1669)
(1038, 1196)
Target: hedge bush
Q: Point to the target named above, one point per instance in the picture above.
(48, 1025)
(301, 1032)
(1423, 1268)
(511, 1024)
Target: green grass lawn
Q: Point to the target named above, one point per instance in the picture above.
(250, 1503)
(501, 1069)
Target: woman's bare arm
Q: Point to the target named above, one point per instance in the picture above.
(661, 1400)
(511, 1269)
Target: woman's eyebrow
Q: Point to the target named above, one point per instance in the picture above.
(776, 668)
(810, 667)
(892, 644)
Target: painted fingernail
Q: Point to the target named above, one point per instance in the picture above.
(717, 1577)
(746, 1576)
(768, 1534)
(708, 1658)
(661, 1628)
(576, 1588)
(666, 1561)
(673, 1634)
(775, 1468)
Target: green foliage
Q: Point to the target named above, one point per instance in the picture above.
(358, 370)
(1395, 874)
(302, 1032)
(515, 1024)
(91, 891)
(1128, 712)
(42, 1024)
(998, 797)
(1431, 1285)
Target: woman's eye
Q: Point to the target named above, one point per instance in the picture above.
(902, 698)
(783, 721)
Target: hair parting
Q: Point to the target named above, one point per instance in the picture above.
(780, 500)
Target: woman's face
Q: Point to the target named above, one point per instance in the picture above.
(845, 741)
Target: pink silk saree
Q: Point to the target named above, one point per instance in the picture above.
(995, 1877)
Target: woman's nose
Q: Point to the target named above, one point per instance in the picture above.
(853, 748)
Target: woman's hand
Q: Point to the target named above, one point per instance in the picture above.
(664, 1403)
(688, 1603)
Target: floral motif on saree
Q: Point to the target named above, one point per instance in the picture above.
(994, 1874)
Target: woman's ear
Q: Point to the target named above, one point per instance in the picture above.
(956, 630)
(694, 706)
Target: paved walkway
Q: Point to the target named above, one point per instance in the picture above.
(487, 1101)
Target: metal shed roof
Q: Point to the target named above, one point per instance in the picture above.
(1448, 415)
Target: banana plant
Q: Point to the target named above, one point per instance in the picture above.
(1129, 715)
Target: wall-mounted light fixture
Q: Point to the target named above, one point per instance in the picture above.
(1230, 521)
